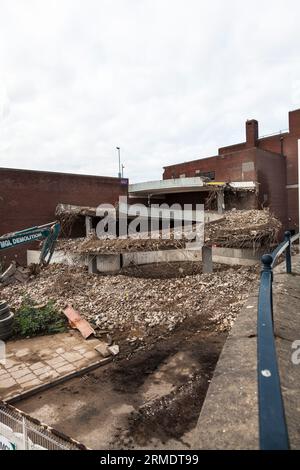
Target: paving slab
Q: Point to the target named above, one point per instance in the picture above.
(34, 363)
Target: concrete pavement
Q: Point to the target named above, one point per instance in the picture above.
(37, 362)
(229, 416)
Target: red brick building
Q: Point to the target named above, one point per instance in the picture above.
(29, 198)
(270, 161)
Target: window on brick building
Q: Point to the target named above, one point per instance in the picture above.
(206, 174)
(182, 175)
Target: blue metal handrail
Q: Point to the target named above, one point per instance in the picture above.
(273, 433)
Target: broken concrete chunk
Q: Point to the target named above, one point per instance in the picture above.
(14, 273)
(8, 272)
(114, 350)
(20, 276)
(109, 339)
(76, 321)
(102, 348)
(105, 350)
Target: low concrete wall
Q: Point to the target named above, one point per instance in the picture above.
(108, 263)
(235, 256)
(229, 416)
(148, 257)
(229, 256)
(33, 256)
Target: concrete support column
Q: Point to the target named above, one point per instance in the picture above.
(207, 263)
(221, 204)
(109, 263)
(88, 225)
(92, 264)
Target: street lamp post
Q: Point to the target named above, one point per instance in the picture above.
(119, 156)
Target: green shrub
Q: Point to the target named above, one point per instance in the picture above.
(32, 319)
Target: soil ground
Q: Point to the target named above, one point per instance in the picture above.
(172, 270)
(151, 400)
(170, 322)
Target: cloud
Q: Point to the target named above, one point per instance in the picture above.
(167, 81)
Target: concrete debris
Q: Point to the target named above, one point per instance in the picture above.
(67, 215)
(105, 350)
(137, 305)
(244, 229)
(68, 244)
(109, 340)
(14, 273)
(236, 229)
(10, 271)
(102, 348)
(20, 275)
(94, 245)
(67, 209)
(114, 350)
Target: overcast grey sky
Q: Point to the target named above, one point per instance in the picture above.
(166, 80)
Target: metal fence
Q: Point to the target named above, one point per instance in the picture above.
(20, 432)
(273, 433)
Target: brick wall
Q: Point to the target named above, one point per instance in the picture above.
(29, 198)
(273, 174)
(235, 166)
(254, 164)
(251, 133)
(239, 200)
(292, 203)
(287, 144)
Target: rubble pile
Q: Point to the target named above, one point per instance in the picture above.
(253, 229)
(244, 229)
(95, 245)
(16, 273)
(69, 244)
(136, 305)
(67, 215)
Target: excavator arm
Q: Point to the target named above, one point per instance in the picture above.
(48, 232)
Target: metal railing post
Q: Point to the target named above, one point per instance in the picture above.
(267, 261)
(273, 432)
(288, 255)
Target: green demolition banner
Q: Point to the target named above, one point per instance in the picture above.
(17, 240)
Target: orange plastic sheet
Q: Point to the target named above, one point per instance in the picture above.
(76, 321)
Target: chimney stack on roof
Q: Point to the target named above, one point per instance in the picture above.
(294, 122)
(251, 133)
